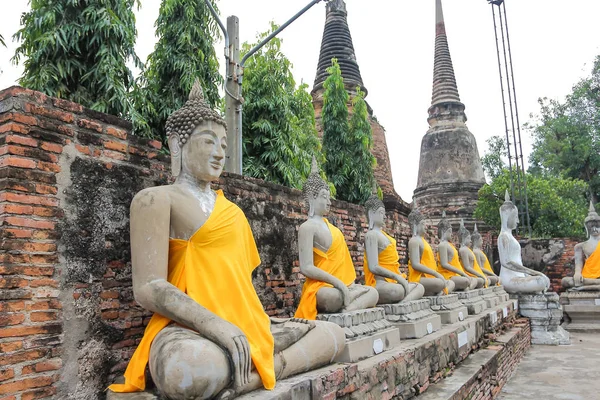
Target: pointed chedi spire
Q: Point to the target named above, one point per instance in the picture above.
(337, 43)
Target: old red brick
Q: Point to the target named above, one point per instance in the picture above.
(39, 393)
(53, 147)
(30, 383)
(23, 140)
(17, 162)
(45, 189)
(117, 146)
(91, 125)
(31, 199)
(116, 132)
(50, 113)
(46, 166)
(30, 223)
(9, 319)
(114, 155)
(6, 374)
(9, 347)
(18, 209)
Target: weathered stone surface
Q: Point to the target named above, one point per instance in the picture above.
(491, 299)
(414, 319)
(581, 311)
(472, 300)
(449, 308)
(545, 314)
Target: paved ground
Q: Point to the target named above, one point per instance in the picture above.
(558, 372)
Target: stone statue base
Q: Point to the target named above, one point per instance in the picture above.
(581, 310)
(501, 293)
(544, 313)
(473, 301)
(414, 319)
(367, 333)
(448, 307)
(490, 298)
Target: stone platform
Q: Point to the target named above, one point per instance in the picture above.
(501, 293)
(581, 311)
(368, 333)
(472, 300)
(448, 307)
(545, 314)
(414, 319)
(490, 297)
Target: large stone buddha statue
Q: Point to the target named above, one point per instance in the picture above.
(448, 259)
(516, 278)
(422, 266)
(467, 257)
(587, 257)
(325, 260)
(193, 254)
(382, 269)
(482, 258)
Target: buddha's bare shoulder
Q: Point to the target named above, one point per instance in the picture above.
(415, 240)
(153, 197)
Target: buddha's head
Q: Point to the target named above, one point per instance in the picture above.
(375, 211)
(197, 137)
(592, 222)
(509, 214)
(316, 193)
(416, 221)
(464, 234)
(444, 228)
(476, 238)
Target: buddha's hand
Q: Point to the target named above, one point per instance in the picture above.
(578, 279)
(236, 344)
(400, 279)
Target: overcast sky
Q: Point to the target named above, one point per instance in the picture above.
(553, 42)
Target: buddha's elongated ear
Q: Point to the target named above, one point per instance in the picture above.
(176, 153)
(311, 207)
(371, 214)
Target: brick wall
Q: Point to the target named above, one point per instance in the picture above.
(68, 320)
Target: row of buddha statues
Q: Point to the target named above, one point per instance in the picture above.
(193, 254)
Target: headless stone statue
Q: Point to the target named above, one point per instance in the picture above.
(482, 258)
(193, 254)
(467, 257)
(449, 261)
(382, 269)
(422, 266)
(515, 277)
(325, 260)
(587, 257)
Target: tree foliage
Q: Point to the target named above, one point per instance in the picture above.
(279, 134)
(567, 134)
(78, 50)
(557, 206)
(493, 160)
(346, 144)
(185, 51)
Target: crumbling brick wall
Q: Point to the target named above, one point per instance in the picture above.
(553, 257)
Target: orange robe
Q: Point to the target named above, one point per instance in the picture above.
(214, 267)
(337, 262)
(477, 268)
(427, 259)
(591, 268)
(388, 259)
(455, 262)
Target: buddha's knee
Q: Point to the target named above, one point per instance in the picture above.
(480, 283)
(389, 292)
(568, 282)
(329, 300)
(184, 365)
(333, 339)
(460, 282)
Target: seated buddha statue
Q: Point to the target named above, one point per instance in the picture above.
(468, 259)
(482, 258)
(422, 266)
(193, 254)
(516, 278)
(587, 257)
(382, 269)
(325, 260)
(448, 260)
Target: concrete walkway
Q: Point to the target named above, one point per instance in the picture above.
(558, 372)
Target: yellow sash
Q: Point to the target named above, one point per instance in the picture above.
(388, 259)
(214, 267)
(337, 262)
(455, 262)
(591, 268)
(427, 259)
(477, 268)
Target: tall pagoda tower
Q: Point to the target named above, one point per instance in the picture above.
(337, 43)
(450, 171)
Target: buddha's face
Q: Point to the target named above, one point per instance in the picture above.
(477, 243)
(447, 234)
(420, 228)
(203, 156)
(593, 228)
(321, 203)
(512, 218)
(377, 217)
(467, 241)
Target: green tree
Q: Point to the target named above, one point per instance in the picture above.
(346, 144)
(567, 134)
(493, 160)
(557, 206)
(78, 50)
(2, 41)
(185, 51)
(279, 137)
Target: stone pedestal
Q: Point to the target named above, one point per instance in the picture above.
(581, 310)
(414, 319)
(501, 293)
(490, 298)
(472, 300)
(448, 307)
(544, 313)
(367, 333)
